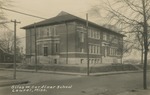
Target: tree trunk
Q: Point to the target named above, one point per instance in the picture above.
(142, 55)
(145, 68)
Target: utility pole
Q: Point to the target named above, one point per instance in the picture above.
(66, 43)
(15, 24)
(35, 48)
(145, 26)
(88, 73)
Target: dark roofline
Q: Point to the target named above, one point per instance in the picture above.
(102, 27)
(37, 25)
(57, 22)
(74, 18)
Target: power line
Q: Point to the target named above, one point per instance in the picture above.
(15, 22)
(22, 13)
(33, 15)
(29, 14)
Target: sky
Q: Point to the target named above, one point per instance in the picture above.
(48, 9)
(45, 9)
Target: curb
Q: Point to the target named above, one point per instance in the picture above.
(42, 71)
(12, 82)
(16, 82)
(114, 73)
(77, 74)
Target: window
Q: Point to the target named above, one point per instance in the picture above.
(55, 32)
(52, 29)
(92, 61)
(41, 32)
(81, 49)
(56, 47)
(38, 48)
(98, 61)
(89, 48)
(98, 35)
(110, 51)
(115, 40)
(55, 61)
(37, 32)
(113, 51)
(111, 37)
(93, 49)
(104, 36)
(95, 34)
(92, 33)
(44, 31)
(81, 37)
(45, 51)
(95, 61)
(108, 37)
(120, 40)
(99, 49)
(47, 33)
(81, 61)
(89, 33)
(96, 49)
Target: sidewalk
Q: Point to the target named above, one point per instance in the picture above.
(12, 82)
(29, 76)
(119, 84)
(73, 73)
(26, 76)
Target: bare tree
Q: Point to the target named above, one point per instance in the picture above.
(7, 42)
(125, 48)
(4, 3)
(139, 42)
(130, 14)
